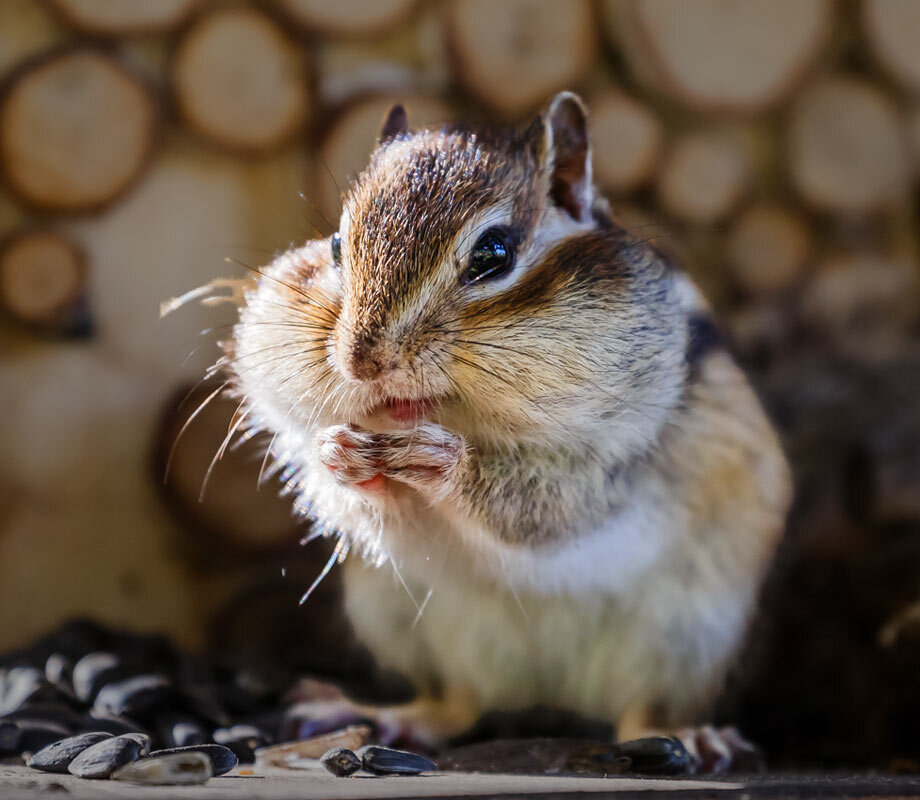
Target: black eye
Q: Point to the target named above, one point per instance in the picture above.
(337, 249)
(491, 257)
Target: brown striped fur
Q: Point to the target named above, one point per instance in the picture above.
(590, 455)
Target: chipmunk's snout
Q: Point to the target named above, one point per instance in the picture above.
(365, 356)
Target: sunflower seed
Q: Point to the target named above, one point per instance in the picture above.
(243, 740)
(386, 761)
(57, 757)
(102, 759)
(341, 761)
(23, 684)
(132, 696)
(223, 759)
(59, 671)
(181, 733)
(169, 769)
(656, 755)
(90, 673)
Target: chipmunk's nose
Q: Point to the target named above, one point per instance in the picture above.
(366, 357)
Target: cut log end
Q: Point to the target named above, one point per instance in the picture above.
(346, 17)
(862, 299)
(240, 82)
(712, 55)
(513, 55)
(767, 250)
(848, 149)
(218, 498)
(704, 177)
(75, 131)
(43, 283)
(626, 141)
(117, 17)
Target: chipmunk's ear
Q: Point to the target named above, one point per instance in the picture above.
(396, 123)
(565, 155)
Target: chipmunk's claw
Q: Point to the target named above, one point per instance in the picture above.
(717, 751)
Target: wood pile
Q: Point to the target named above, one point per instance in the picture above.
(771, 146)
(756, 135)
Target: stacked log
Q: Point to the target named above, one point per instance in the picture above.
(710, 55)
(514, 54)
(118, 18)
(76, 129)
(216, 480)
(240, 82)
(346, 17)
(43, 283)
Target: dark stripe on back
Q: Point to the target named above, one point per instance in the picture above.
(704, 337)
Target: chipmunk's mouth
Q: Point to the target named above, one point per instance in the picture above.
(406, 410)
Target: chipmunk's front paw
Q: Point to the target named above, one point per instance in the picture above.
(350, 454)
(427, 457)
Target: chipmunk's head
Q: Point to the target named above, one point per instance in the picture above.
(474, 279)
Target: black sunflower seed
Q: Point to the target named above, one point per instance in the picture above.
(341, 762)
(243, 740)
(57, 757)
(386, 761)
(22, 685)
(181, 732)
(656, 755)
(133, 696)
(59, 672)
(102, 759)
(223, 759)
(91, 672)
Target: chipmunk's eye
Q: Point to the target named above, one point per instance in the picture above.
(337, 249)
(491, 257)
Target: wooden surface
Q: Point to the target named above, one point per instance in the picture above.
(18, 783)
(21, 783)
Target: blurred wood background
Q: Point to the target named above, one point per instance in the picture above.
(773, 146)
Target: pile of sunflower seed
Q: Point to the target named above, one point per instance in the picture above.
(98, 703)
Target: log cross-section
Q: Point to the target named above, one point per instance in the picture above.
(75, 130)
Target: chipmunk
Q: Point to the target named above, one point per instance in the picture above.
(521, 415)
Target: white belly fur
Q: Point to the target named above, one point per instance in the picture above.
(662, 631)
